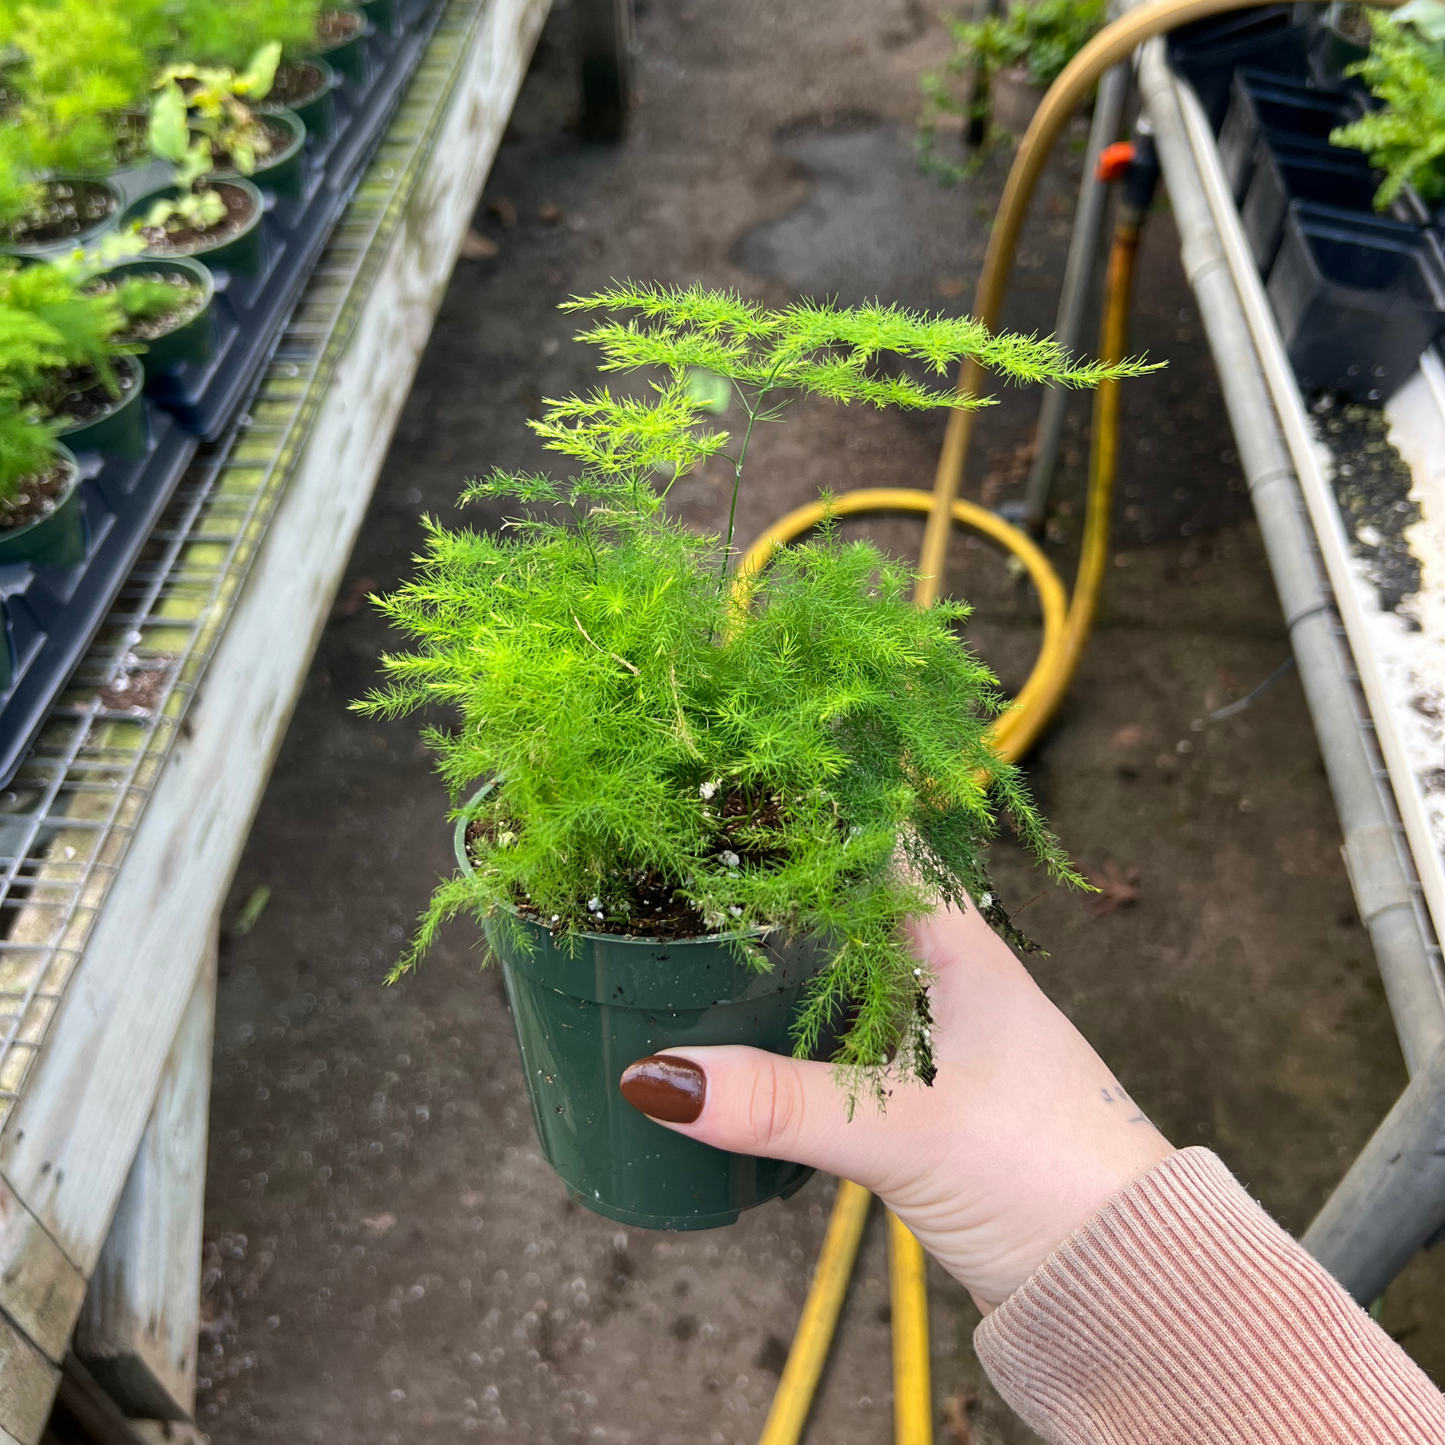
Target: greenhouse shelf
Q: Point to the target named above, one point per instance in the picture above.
(1371, 670)
(119, 834)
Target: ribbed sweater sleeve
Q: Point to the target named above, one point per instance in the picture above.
(1182, 1313)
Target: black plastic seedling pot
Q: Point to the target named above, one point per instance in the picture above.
(282, 174)
(1283, 174)
(1332, 51)
(1208, 52)
(81, 234)
(1269, 107)
(583, 1017)
(1357, 299)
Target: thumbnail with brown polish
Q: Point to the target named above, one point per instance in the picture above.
(665, 1087)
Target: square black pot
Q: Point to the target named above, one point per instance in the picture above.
(1262, 103)
(1283, 173)
(1358, 298)
(1208, 52)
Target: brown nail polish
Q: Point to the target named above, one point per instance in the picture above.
(665, 1087)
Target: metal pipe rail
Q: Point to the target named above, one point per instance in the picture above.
(1394, 1196)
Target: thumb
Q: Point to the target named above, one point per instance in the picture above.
(749, 1101)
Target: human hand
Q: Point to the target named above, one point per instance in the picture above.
(1024, 1135)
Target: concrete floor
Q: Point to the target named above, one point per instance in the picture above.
(388, 1259)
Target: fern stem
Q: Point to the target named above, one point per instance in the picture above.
(752, 412)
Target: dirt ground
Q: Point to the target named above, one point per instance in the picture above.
(388, 1258)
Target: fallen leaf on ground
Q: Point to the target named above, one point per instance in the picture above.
(955, 1417)
(1118, 888)
(504, 211)
(477, 247)
(251, 912)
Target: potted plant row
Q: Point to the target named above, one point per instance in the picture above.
(1336, 190)
(147, 147)
(694, 806)
(64, 183)
(201, 157)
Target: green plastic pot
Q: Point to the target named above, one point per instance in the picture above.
(283, 174)
(318, 114)
(582, 1017)
(57, 540)
(243, 253)
(123, 430)
(194, 340)
(348, 59)
(84, 236)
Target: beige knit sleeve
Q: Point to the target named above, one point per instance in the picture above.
(1183, 1313)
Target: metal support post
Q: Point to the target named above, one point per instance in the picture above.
(1079, 271)
(1393, 1198)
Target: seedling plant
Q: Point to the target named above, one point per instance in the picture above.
(1042, 37)
(680, 751)
(209, 104)
(52, 326)
(189, 123)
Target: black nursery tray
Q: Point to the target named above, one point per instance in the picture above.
(1208, 52)
(249, 311)
(51, 613)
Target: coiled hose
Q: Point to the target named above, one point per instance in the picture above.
(1065, 628)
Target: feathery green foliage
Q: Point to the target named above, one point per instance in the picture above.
(1406, 69)
(804, 752)
(48, 326)
(228, 34)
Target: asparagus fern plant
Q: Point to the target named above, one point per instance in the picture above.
(1406, 69)
(801, 751)
(52, 326)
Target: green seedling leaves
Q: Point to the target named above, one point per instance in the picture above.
(168, 131)
(260, 75)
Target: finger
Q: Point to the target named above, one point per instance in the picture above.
(749, 1101)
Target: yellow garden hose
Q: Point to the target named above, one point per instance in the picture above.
(912, 1375)
(1065, 630)
(794, 1396)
